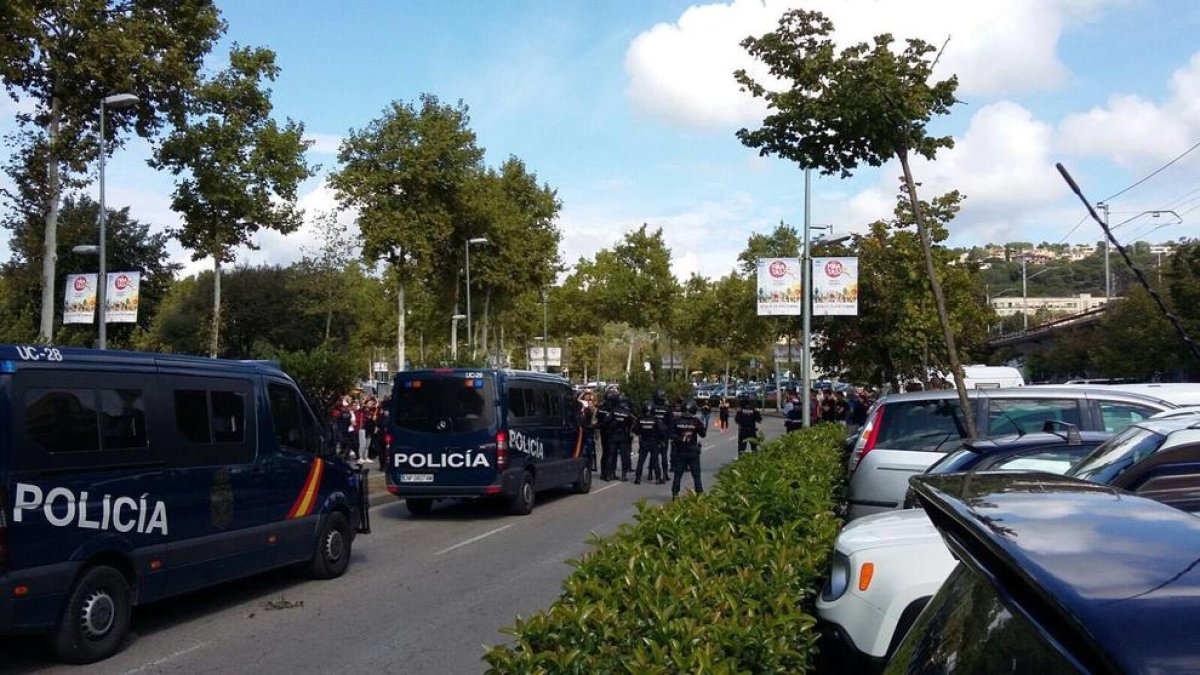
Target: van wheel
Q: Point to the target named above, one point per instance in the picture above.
(584, 484)
(95, 619)
(521, 503)
(418, 507)
(333, 548)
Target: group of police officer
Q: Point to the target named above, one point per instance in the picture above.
(668, 438)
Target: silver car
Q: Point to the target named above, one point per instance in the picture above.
(905, 433)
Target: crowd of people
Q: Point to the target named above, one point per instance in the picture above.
(668, 436)
(848, 406)
(358, 423)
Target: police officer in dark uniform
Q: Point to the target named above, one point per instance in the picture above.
(662, 412)
(747, 419)
(650, 432)
(617, 426)
(687, 430)
(603, 410)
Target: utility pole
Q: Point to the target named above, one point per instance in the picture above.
(1107, 277)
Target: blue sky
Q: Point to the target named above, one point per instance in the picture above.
(629, 110)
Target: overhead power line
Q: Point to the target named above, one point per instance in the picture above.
(1152, 174)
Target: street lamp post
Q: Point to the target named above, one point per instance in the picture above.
(1108, 285)
(467, 250)
(454, 319)
(545, 334)
(114, 101)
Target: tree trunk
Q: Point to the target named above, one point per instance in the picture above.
(400, 327)
(483, 328)
(215, 341)
(328, 320)
(936, 286)
(50, 242)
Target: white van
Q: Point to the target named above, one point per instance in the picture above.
(992, 377)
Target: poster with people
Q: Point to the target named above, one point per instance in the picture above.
(79, 300)
(835, 286)
(780, 287)
(122, 297)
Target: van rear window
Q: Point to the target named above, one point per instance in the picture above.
(444, 404)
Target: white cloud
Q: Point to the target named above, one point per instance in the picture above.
(324, 144)
(1132, 131)
(284, 249)
(683, 71)
(1001, 164)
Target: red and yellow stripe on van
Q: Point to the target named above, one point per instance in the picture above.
(578, 443)
(308, 495)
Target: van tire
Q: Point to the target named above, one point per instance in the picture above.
(418, 506)
(584, 484)
(332, 554)
(95, 619)
(521, 504)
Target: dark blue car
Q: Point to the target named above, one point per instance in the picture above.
(1057, 575)
(470, 433)
(127, 478)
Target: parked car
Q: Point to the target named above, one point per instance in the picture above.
(908, 562)
(905, 433)
(1107, 584)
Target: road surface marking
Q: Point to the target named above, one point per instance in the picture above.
(168, 657)
(472, 540)
(606, 487)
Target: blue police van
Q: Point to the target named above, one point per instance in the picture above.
(127, 478)
(464, 433)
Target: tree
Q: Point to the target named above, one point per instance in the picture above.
(632, 281)
(319, 286)
(240, 168)
(64, 57)
(894, 336)
(407, 174)
(131, 247)
(866, 104)
(783, 242)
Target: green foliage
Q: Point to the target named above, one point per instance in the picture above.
(724, 582)
(867, 104)
(324, 373)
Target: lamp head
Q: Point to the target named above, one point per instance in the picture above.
(477, 240)
(119, 101)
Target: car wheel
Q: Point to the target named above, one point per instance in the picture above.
(521, 503)
(95, 619)
(332, 555)
(584, 484)
(418, 506)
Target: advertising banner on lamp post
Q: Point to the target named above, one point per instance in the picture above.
(835, 286)
(551, 357)
(780, 287)
(79, 300)
(122, 296)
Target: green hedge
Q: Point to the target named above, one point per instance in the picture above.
(719, 583)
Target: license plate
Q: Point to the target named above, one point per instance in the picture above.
(416, 478)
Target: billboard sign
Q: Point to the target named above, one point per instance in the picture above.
(122, 296)
(79, 300)
(835, 286)
(780, 287)
(552, 357)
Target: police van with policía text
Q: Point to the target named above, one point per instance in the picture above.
(127, 478)
(469, 433)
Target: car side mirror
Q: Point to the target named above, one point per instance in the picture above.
(1072, 431)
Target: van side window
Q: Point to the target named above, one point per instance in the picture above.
(191, 415)
(122, 419)
(210, 416)
(289, 417)
(516, 402)
(62, 420)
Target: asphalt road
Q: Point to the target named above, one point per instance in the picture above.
(422, 595)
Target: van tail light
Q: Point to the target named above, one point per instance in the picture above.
(501, 449)
(870, 434)
(387, 441)
(3, 530)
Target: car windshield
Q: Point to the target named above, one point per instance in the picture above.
(444, 404)
(1112, 458)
